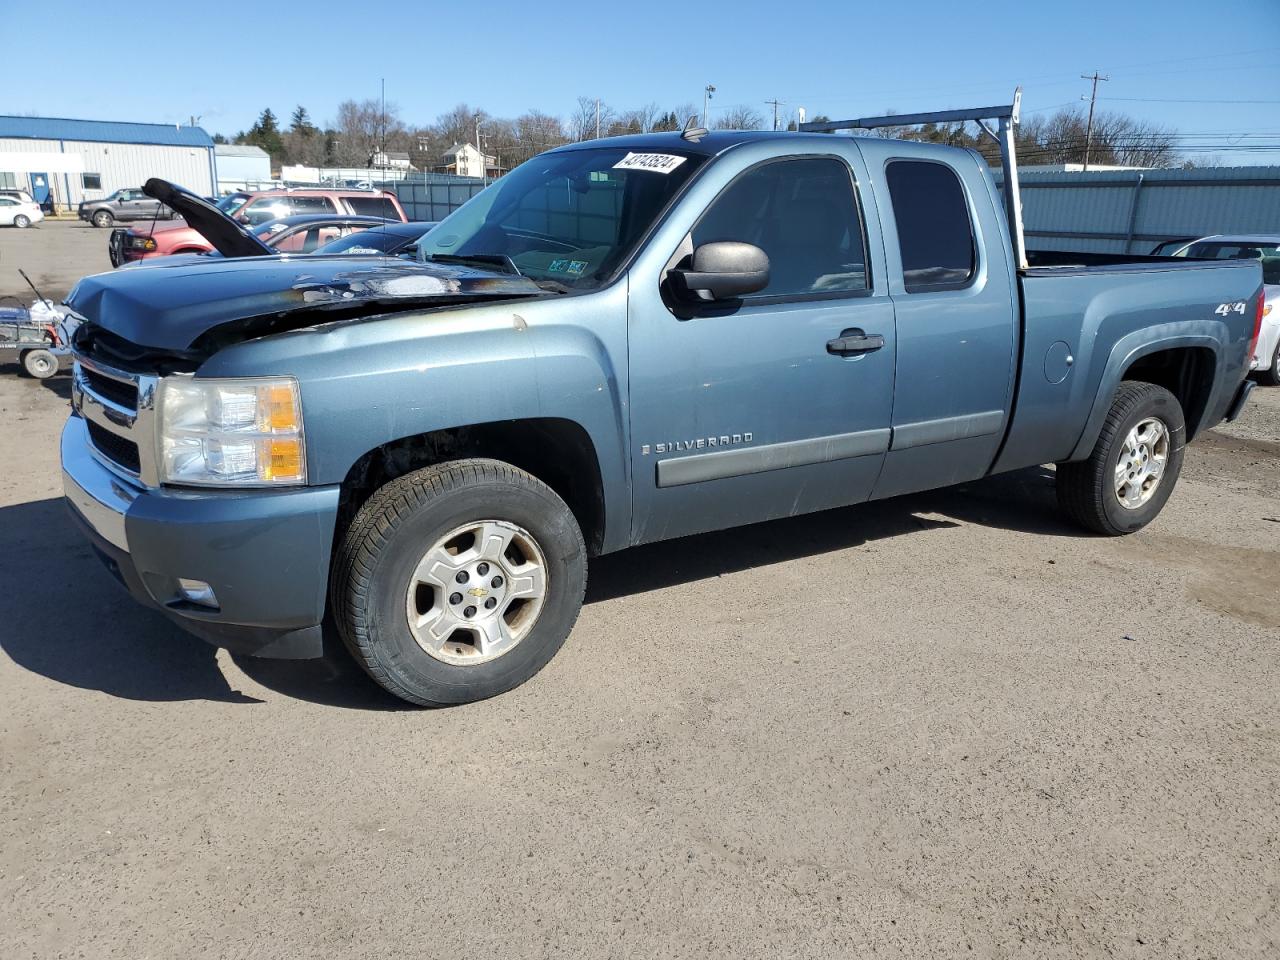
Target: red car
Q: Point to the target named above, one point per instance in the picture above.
(303, 233)
(141, 242)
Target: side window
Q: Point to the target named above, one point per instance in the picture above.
(373, 207)
(935, 236)
(6, 202)
(804, 215)
(311, 204)
(266, 208)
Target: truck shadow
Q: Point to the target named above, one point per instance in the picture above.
(62, 615)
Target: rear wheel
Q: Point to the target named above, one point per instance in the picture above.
(459, 581)
(1129, 476)
(1272, 377)
(40, 364)
(22, 221)
(103, 218)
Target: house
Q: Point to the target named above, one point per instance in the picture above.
(66, 161)
(464, 160)
(391, 159)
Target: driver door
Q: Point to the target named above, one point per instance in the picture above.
(755, 409)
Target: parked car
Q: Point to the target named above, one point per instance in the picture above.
(1170, 248)
(619, 342)
(19, 213)
(20, 195)
(1264, 248)
(301, 233)
(128, 204)
(392, 239)
(256, 208)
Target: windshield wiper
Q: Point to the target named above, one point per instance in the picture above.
(499, 260)
(555, 286)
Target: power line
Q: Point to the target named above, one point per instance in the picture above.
(1093, 100)
(1163, 100)
(776, 104)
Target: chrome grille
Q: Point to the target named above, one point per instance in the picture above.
(119, 407)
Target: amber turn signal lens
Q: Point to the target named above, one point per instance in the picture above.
(282, 410)
(281, 460)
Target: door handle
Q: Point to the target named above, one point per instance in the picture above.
(853, 342)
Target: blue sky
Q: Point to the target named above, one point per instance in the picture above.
(224, 62)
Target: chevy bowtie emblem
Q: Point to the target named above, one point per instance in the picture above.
(478, 592)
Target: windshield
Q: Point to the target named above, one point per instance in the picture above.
(572, 217)
(372, 241)
(1231, 250)
(232, 202)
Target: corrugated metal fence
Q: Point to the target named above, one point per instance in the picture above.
(432, 196)
(1129, 211)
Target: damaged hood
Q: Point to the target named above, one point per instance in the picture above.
(228, 237)
(171, 307)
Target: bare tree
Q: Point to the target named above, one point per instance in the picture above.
(589, 115)
(740, 117)
(362, 128)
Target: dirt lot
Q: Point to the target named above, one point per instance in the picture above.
(989, 736)
(54, 254)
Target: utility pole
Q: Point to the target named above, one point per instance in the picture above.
(382, 138)
(776, 104)
(597, 118)
(483, 166)
(706, 98)
(1093, 99)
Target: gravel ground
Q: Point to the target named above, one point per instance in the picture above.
(932, 726)
(941, 725)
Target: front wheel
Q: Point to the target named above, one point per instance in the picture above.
(1134, 466)
(459, 581)
(22, 221)
(103, 218)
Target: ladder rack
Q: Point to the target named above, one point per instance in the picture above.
(1006, 117)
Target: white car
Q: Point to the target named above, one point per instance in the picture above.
(1264, 247)
(19, 213)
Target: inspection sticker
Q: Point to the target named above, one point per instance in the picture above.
(656, 162)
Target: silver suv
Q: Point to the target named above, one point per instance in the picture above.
(126, 204)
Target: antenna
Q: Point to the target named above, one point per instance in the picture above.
(692, 132)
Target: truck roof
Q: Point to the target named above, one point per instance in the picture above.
(713, 143)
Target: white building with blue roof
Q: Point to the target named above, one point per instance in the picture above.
(73, 160)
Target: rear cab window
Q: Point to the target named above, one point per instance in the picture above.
(935, 233)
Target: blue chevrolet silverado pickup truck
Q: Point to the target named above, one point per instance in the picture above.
(620, 341)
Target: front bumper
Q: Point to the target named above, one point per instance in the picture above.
(264, 553)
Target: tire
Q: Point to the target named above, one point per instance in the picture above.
(1089, 491)
(103, 218)
(389, 544)
(40, 364)
(21, 221)
(1271, 378)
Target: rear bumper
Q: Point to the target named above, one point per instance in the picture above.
(1239, 400)
(264, 553)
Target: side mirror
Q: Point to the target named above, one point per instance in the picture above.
(724, 270)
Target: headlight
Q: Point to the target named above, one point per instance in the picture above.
(142, 243)
(231, 432)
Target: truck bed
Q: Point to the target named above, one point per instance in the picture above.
(1089, 318)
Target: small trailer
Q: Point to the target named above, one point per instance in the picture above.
(36, 338)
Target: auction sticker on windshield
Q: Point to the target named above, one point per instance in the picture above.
(656, 162)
